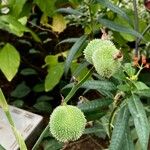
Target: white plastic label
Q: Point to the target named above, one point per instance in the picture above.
(25, 122)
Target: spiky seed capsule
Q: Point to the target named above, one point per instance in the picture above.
(102, 54)
(67, 123)
(93, 46)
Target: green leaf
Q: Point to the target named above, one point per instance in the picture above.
(28, 71)
(128, 68)
(48, 6)
(93, 130)
(43, 106)
(16, 7)
(12, 25)
(94, 105)
(142, 93)
(126, 36)
(53, 76)
(78, 70)
(3, 102)
(51, 60)
(44, 98)
(95, 115)
(119, 129)
(69, 11)
(140, 120)
(18, 103)
(119, 28)
(95, 85)
(128, 142)
(114, 8)
(39, 87)
(141, 86)
(9, 61)
(75, 2)
(59, 23)
(124, 87)
(69, 40)
(75, 48)
(101, 85)
(21, 90)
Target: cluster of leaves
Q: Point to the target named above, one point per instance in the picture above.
(120, 109)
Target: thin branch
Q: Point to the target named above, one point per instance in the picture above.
(136, 25)
(77, 86)
(41, 138)
(143, 33)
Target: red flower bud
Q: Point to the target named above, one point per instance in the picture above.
(147, 4)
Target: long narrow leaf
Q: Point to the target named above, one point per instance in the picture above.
(143, 93)
(73, 51)
(80, 68)
(3, 102)
(69, 40)
(69, 11)
(95, 85)
(100, 85)
(93, 130)
(119, 129)
(94, 105)
(119, 28)
(140, 120)
(128, 142)
(114, 8)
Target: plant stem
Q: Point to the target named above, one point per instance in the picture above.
(8, 115)
(143, 33)
(136, 25)
(40, 138)
(91, 19)
(112, 116)
(77, 86)
(5, 107)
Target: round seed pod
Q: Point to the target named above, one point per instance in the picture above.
(93, 46)
(105, 60)
(67, 123)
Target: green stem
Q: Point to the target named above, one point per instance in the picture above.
(11, 122)
(5, 107)
(143, 33)
(111, 119)
(77, 86)
(91, 19)
(40, 138)
(140, 69)
(7, 113)
(136, 25)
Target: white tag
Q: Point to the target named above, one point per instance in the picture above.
(25, 122)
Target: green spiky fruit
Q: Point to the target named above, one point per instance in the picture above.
(67, 123)
(101, 53)
(104, 60)
(93, 46)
